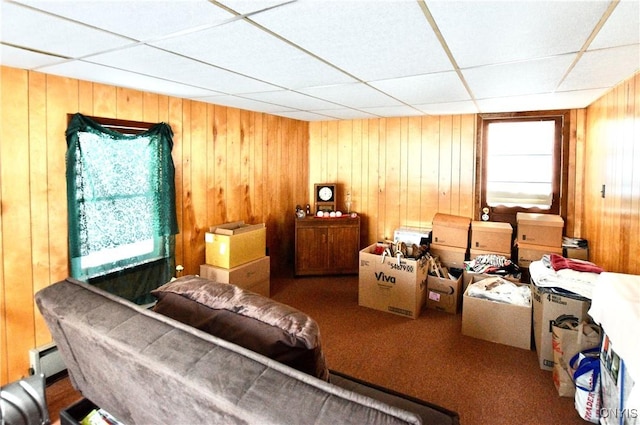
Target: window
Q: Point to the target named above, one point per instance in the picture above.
(521, 164)
(121, 205)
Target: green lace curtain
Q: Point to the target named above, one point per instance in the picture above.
(121, 206)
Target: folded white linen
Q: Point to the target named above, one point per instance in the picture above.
(581, 283)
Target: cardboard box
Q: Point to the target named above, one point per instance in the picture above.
(576, 253)
(253, 276)
(498, 322)
(450, 256)
(491, 236)
(547, 307)
(528, 253)
(388, 286)
(540, 229)
(232, 244)
(450, 230)
(444, 294)
(469, 276)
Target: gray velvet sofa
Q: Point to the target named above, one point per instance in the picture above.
(146, 368)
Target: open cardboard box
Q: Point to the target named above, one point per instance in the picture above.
(498, 322)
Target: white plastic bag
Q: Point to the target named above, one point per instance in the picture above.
(586, 375)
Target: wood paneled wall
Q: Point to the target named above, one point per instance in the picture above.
(230, 165)
(612, 159)
(399, 171)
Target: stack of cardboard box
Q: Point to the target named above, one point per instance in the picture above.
(450, 239)
(236, 253)
(450, 244)
(538, 234)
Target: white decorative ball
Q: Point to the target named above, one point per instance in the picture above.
(320, 214)
(338, 213)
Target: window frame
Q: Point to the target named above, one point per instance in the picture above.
(559, 203)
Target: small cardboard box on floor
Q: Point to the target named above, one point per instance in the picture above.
(548, 306)
(444, 294)
(386, 285)
(253, 276)
(494, 321)
(232, 244)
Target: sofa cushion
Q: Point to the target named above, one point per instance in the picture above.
(250, 320)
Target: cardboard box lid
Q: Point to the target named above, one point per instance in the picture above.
(492, 226)
(235, 228)
(535, 219)
(451, 220)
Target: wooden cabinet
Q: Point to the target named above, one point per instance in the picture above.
(327, 245)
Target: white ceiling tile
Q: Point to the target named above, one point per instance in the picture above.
(291, 99)
(429, 88)
(354, 95)
(103, 74)
(541, 102)
(346, 113)
(622, 27)
(255, 53)
(589, 72)
(47, 34)
(370, 39)
(242, 103)
(324, 59)
(452, 108)
(306, 116)
(141, 20)
(253, 7)
(20, 58)
(518, 78)
(393, 111)
(158, 63)
(489, 32)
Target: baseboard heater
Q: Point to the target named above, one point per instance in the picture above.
(47, 360)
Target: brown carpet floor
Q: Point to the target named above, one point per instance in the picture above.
(428, 358)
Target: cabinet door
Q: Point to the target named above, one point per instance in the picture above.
(345, 246)
(311, 249)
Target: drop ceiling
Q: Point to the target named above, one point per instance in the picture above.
(335, 59)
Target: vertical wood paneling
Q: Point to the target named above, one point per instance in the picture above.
(612, 158)
(409, 169)
(430, 169)
(230, 165)
(39, 192)
(16, 232)
(62, 97)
